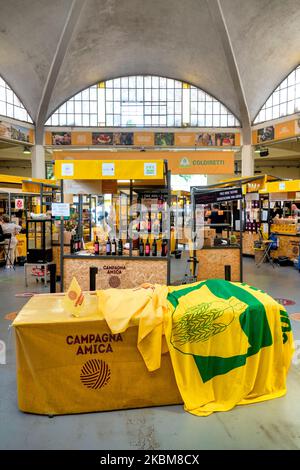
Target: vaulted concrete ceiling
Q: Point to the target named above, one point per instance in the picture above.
(236, 50)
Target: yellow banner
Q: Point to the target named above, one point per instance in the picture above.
(285, 130)
(81, 138)
(143, 139)
(109, 169)
(207, 162)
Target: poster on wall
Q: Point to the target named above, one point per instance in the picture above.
(265, 134)
(225, 139)
(102, 138)
(164, 139)
(19, 133)
(61, 138)
(123, 138)
(5, 130)
(205, 139)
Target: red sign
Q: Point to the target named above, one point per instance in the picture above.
(19, 203)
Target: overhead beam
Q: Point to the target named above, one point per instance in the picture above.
(57, 61)
(218, 19)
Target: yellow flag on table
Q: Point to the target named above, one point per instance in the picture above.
(74, 298)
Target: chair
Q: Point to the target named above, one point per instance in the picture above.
(191, 269)
(265, 246)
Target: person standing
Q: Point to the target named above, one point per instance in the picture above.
(216, 217)
(12, 229)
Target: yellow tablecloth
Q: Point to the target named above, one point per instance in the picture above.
(73, 365)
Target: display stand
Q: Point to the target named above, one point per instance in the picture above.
(149, 193)
(218, 257)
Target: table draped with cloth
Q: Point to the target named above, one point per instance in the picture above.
(211, 345)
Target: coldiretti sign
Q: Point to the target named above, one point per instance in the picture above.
(182, 163)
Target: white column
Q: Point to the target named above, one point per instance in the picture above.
(38, 161)
(247, 161)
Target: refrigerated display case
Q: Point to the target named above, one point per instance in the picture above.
(39, 240)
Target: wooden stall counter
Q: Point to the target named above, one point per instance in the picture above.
(288, 245)
(56, 254)
(115, 271)
(74, 365)
(213, 260)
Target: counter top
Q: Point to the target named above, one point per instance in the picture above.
(112, 258)
(280, 234)
(219, 247)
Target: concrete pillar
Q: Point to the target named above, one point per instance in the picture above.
(247, 161)
(38, 161)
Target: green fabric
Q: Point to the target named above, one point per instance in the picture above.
(253, 322)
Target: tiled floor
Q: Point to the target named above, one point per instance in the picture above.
(269, 425)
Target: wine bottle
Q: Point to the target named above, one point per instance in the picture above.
(113, 247)
(96, 246)
(147, 248)
(72, 248)
(149, 222)
(164, 247)
(120, 247)
(141, 247)
(108, 247)
(154, 248)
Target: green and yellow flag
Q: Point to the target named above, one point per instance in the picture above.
(229, 343)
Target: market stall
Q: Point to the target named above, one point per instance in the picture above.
(255, 208)
(216, 247)
(130, 241)
(181, 215)
(19, 198)
(283, 220)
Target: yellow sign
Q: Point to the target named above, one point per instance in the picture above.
(206, 163)
(22, 245)
(109, 169)
(216, 162)
(81, 138)
(282, 186)
(285, 130)
(144, 139)
(185, 139)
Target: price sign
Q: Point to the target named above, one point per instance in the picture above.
(61, 209)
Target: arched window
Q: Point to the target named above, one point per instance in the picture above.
(142, 101)
(285, 100)
(10, 105)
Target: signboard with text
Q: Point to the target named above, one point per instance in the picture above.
(223, 195)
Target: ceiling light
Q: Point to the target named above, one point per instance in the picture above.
(27, 151)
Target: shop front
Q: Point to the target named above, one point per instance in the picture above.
(130, 237)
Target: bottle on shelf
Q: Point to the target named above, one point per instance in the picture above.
(96, 246)
(147, 248)
(108, 247)
(154, 248)
(141, 247)
(72, 245)
(113, 247)
(149, 222)
(120, 247)
(164, 247)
